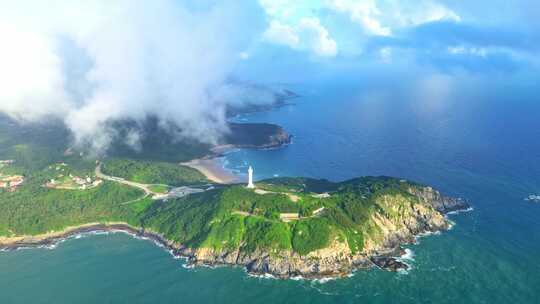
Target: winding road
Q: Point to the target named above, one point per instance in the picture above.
(174, 192)
(143, 187)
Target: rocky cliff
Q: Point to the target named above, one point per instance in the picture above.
(425, 212)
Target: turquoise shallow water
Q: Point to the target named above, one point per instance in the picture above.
(484, 151)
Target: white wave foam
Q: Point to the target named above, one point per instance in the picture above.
(314, 284)
(85, 234)
(403, 271)
(188, 266)
(265, 276)
(460, 211)
(51, 246)
(428, 233)
(96, 232)
(81, 235)
(408, 259)
(407, 256)
(324, 280)
(533, 198)
(297, 278)
(22, 248)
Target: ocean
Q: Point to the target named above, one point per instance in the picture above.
(486, 151)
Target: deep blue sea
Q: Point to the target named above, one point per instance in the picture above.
(485, 150)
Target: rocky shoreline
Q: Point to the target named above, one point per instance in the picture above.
(253, 263)
(51, 240)
(335, 261)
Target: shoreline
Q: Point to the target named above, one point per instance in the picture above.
(212, 168)
(211, 165)
(50, 240)
(390, 258)
(53, 238)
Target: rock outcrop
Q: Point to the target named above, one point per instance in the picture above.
(443, 204)
(425, 216)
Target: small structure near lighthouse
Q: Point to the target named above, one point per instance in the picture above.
(250, 184)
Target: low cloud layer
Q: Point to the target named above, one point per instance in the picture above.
(92, 63)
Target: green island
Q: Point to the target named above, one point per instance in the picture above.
(283, 226)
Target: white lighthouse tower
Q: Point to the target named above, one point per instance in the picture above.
(250, 178)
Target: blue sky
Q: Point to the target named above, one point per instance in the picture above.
(450, 36)
(91, 63)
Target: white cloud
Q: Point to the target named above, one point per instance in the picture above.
(422, 12)
(297, 24)
(145, 58)
(282, 34)
(463, 50)
(364, 12)
(30, 74)
(308, 34)
(383, 17)
(317, 37)
(292, 25)
(283, 8)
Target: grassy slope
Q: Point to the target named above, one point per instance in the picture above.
(153, 172)
(34, 209)
(210, 220)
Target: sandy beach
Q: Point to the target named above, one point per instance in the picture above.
(213, 169)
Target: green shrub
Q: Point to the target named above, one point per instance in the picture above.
(310, 234)
(148, 172)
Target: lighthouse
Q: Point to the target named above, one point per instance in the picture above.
(250, 178)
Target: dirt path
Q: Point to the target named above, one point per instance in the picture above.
(293, 197)
(174, 192)
(143, 187)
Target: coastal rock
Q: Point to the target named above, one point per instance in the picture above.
(441, 203)
(337, 259)
(389, 263)
(281, 137)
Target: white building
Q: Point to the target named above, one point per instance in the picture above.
(250, 178)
